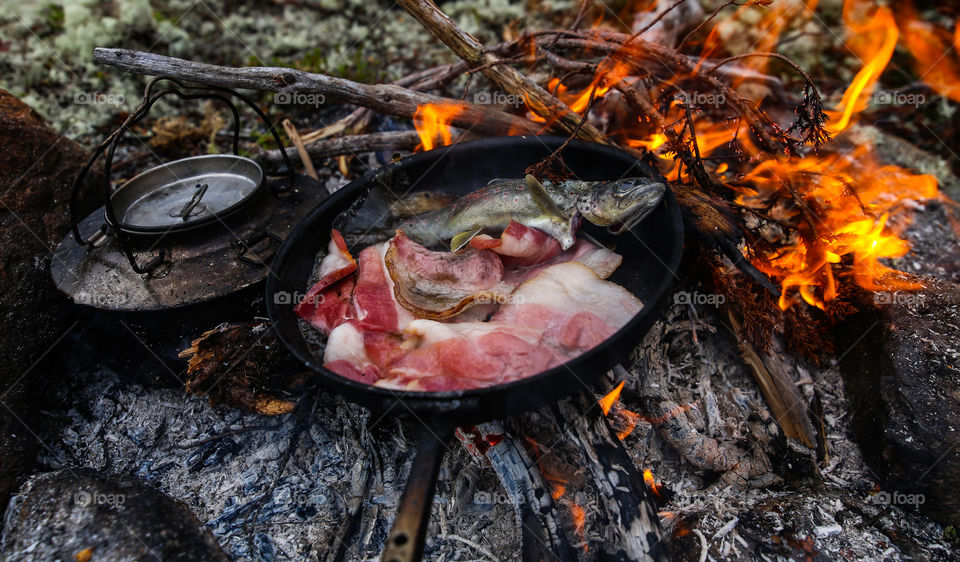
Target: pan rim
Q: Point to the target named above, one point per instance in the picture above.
(646, 314)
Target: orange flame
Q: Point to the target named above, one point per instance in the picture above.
(432, 122)
(934, 50)
(624, 417)
(610, 399)
(873, 41)
(855, 196)
(651, 483)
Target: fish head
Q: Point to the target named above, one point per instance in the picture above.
(622, 203)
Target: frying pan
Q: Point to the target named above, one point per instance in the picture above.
(651, 255)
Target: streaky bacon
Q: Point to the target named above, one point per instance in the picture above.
(466, 355)
(346, 354)
(327, 303)
(602, 261)
(519, 245)
(337, 264)
(375, 306)
(328, 309)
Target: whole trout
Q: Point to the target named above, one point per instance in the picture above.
(553, 208)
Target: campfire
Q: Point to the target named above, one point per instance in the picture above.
(762, 339)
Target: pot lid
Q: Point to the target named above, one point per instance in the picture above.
(186, 193)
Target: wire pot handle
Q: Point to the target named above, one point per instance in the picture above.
(110, 144)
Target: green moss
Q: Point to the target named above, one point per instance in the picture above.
(952, 537)
(55, 18)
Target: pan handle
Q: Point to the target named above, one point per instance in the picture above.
(405, 543)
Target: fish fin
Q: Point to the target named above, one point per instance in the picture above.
(499, 180)
(460, 240)
(543, 199)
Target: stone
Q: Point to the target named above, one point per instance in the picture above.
(71, 514)
(37, 170)
(900, 359)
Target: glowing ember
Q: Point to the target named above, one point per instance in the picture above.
(651, 483)
(629, 420)
(558, 490)
(579, 517)
(610, 399)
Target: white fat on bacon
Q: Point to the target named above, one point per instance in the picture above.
(574, 307)
(345, 343)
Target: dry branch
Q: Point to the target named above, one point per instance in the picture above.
(387, 99)
(468, 48)
(355, 144)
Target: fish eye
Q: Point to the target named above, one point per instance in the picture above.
(627, 185)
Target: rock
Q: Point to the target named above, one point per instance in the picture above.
(901, 365)
(73, 513)
(37, 169)
(820, 523)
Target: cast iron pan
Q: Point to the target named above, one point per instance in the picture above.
(651, 255)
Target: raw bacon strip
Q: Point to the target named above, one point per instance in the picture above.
(326, 306)
(439, 285)
(520, 245)
(574, 307)
(374, 304)
(465, 355)
(328, 309)
(602, 261)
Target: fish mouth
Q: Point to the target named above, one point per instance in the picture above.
(644, 202)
